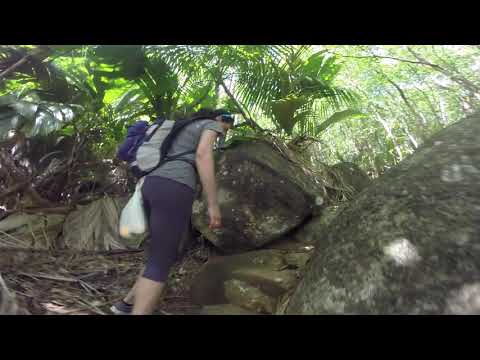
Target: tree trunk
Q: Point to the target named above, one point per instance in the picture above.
(390, 135)
(420, 122)
(250, 122)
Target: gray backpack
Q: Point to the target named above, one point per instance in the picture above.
(153, 149)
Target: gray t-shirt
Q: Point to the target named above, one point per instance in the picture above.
(186, 140)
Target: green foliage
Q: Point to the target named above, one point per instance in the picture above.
(337, 117)
(287, 89)
(372, 105)
(396, 125)
(32, 118)
(280, 82)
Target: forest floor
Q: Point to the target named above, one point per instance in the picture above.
(62, 283)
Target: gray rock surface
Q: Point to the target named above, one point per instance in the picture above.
(410, 242)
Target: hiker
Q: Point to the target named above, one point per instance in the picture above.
(168, 194)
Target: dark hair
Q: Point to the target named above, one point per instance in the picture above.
(209, 113)
(220, 112)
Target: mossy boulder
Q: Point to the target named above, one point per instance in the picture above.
(410, 242)
(262, 195)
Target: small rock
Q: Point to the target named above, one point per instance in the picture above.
(248, 297)
(272, 281)
(298, 260)
(264, 269)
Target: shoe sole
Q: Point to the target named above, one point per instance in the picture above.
(115, 311)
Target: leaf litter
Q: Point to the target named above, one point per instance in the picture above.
(66, 283)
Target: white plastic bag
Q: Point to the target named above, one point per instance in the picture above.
(133, 220)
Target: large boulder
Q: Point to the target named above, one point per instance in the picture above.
(262, 196)
(408, 244)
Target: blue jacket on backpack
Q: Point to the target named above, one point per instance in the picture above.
(135, 135)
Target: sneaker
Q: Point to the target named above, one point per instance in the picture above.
(121, 308)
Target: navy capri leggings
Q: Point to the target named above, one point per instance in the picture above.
(168, 205)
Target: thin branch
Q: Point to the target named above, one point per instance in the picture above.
(37, 198)
(45, 210)
(252, 123)
(421, 61)
(20, 62)
(14, 189)
(406, 101)
(388, 57)
(458, 78)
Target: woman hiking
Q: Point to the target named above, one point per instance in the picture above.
(168, 194)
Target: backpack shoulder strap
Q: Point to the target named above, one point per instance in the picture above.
(155, 126)
(177, 128)
(167, 143)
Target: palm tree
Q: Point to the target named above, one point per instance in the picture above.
(292, 85)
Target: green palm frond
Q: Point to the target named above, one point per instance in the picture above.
(275, 88)
(337, 117)
(286, 114)
(126, 100)
(32, 118)
(322, 118)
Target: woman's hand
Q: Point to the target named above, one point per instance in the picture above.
(215, 217)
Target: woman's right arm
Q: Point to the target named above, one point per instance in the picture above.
(206, 170)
